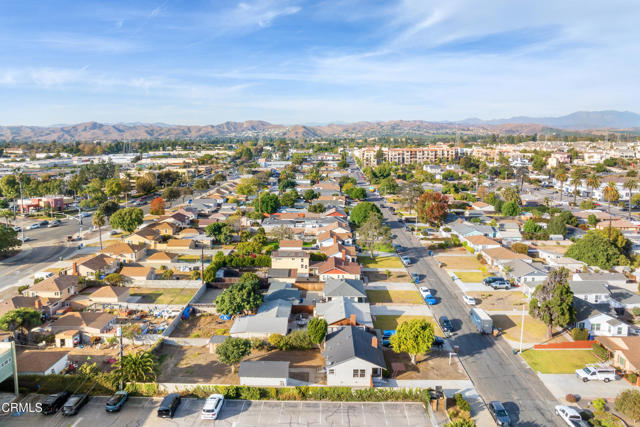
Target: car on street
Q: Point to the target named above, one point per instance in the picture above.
(52, 403)
(17, 228)
(499, 413)
(73, 405)
(84, 214)
(424, 291)
(212, 407)
(116, 401)
(169, 405)
(25, 238)
(55, 223)
(438, 342)
(469, 300)
(405, 260)
(34, 226)
(430, 300)
(445, 324)
(570, 416)
(44, 223)
(415, 277)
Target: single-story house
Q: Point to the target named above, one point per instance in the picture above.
(336, 268)
(146, 236)
(498, 256)
(259, 326)
(527, 275)
(624, 352)
(480, 243)
(181, 244)
(353, 357)
(110, 295)
(42, 362)
(59, 287)
(352, 289)
(68, 338)
(90, 323)
(599, 320)
(566, 262)
(337, 250)
(593, 291)
(161, 257)
(125, 252)
(341, 312)
(138, 273)
(264, 373)
(614, 279)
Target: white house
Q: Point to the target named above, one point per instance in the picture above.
(353, 358)
(599, 320)
(264, 373)
(37, 362)
(593, 291)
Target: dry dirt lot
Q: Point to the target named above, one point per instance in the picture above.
(196, 365)
(534, 330)
(433, 366)
(379, 276)
(499, 300)
(456, 262)
(202, 326)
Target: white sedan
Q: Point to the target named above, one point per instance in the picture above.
(469, 300)
(424, 291)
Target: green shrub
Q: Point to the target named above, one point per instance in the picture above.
(628, 403)
(461, 402)
(580, 334)
(599, 405)
(257, 343)
(636, 311)
(250, 393)
(600, 351)
(632, 378)
(299, 340)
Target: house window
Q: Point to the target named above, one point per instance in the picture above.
(362, 373)
(622, 361)
(619, 330)
(581, 325)
(332, 371)
(355, 373)
(595, 327)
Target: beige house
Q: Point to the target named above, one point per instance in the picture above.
(67, 339)
(166, 229)
(346, 253)
(138, 273)
(498, 256)
(147, 236)
(161, 257)
(110, 294)
(58, 287)
(297, 260)
(125, 252)
(290, 245)
(91, 265)
(624, 352)
(181, 244)
(89, 323)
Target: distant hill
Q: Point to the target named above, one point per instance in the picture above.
(94, 131)
(580, 120)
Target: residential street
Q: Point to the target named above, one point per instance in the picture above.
(496, 373)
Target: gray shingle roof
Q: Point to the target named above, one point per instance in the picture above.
(264, 369)
(342, 308)
(351, 342)
(344, 288)
(588, 287)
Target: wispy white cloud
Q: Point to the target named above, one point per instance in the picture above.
(86, 43)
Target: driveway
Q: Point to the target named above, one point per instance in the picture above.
(237, 413)
(562, 384)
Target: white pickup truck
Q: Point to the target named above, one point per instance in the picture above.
(600, 373)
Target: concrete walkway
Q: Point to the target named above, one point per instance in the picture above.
(562, 384)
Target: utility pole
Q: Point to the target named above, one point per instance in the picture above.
(21, 206)
(119, 332)
(522, 329)
(202, 263)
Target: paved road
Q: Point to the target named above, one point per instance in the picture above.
(496, 373)
(29, 261)
(237, 413)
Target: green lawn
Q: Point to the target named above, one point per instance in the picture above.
(470, 276)
(386, 322)
(394, 297)
(558, 361)
(177, 296)
(380, 262)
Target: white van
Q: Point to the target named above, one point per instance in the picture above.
(594, 372)
(43, 275)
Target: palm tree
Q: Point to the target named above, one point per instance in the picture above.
(593, 182)
(98, 221)
(630, 184)
(136, 367)
(576, 179)
(611, 195)
(561, 177)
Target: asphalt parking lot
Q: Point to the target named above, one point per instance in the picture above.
(236, 413)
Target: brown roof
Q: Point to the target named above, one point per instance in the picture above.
(189, 231)
(504, 253)
(162, 256)
(148, 233)
(136, 271)
(170, 225)
(338, 248)
(481, 240)
(109, 292)
(56, 283)
(18, 302)
(39, 360)
(97, 262)
(629, 346)
(291, 244)
(346, 266)
(179, 243)
(79, 319)
(122, 248)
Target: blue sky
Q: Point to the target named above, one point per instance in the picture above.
(206, 62)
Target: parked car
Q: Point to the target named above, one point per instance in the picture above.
(169, 405)
(212, 407)
(34, 226)
(116, 402)
(469, 299)
(25, 238)
(55, 223)
(596, 373)
(84, 214)
(499, 413)
(17, 228)
(570, 416)
(424, 291)
(73, 405)
(405, 260)
(415, 277)
(445, 324)
(430, 300)
(500, 284)
(438, 342)
(489, 280)
(52, 403)
(386, 333)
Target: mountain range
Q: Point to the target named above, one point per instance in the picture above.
(94, 131)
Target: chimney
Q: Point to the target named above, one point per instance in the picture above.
(37, 304)
(335, 239)
(352, 320)
(374, 342)
(75, 269)
(344, 254)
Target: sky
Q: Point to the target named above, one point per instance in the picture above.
(295, 61)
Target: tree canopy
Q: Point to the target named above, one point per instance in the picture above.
(552, 301)
(241, 297)
(8, 239)
(595, 248)
(432, 207)
(317, 329)
(361, 212)
(20, 318)
(413, 337)
(232, 351)
(267, 203)
(127, 219)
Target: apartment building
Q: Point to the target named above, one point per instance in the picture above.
(428, 154)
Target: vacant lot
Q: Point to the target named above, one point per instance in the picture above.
(534, 330)
(434, 365)
(394, 297)
(386, 322)
(471, 276)
(394, 276)
(499, 300)
(196, 365)
(380, 262)
(202, 327)
(558, 361)
(177, 296)
(460, 262)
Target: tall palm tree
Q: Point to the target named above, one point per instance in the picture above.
(136, 367)
(98, 221)
(561, 177)
(611, 194)
(593, 182)
(630, 184)
(576, 179)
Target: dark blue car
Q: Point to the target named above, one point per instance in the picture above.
(116, 402)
